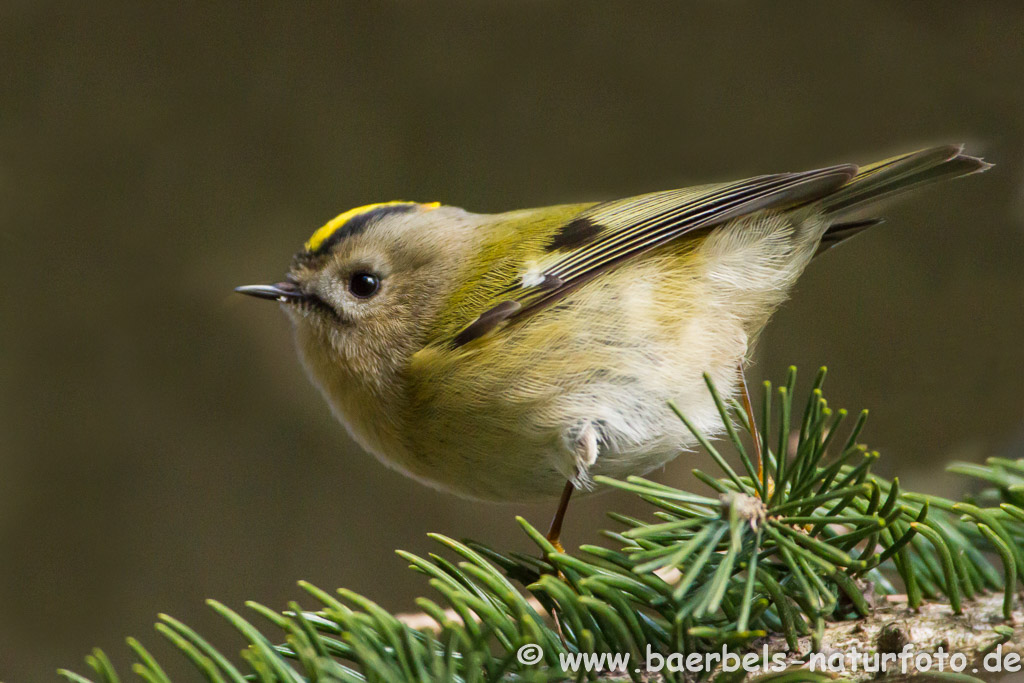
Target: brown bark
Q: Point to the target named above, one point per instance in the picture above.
(891, 626)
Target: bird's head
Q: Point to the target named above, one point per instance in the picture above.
(362, 290)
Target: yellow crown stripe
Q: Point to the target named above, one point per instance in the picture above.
(324, 233)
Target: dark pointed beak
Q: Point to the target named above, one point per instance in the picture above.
(281, 291)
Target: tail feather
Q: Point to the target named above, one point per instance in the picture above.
(838, 232)
(899, 174)
(887, 178)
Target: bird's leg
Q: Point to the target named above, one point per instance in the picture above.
(586, 449)
(749, 409)
(555, 530)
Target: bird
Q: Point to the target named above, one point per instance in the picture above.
(514, 356)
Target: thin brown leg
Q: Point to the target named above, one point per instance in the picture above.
(749, 409)
(555, 530)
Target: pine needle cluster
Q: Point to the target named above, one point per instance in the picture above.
(813, 538)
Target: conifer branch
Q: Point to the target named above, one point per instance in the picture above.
(817, 556)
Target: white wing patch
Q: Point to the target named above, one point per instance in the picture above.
(533, 277)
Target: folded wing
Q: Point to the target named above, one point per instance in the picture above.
(607, 234)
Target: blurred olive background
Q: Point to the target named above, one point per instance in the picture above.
(159, 443)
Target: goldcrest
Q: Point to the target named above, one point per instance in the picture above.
(499, 356)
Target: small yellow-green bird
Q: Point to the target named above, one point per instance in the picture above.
(513, 356)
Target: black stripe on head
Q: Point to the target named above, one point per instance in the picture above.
(358, 224)
(575, 233)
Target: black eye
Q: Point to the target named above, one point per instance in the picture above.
(363, 285)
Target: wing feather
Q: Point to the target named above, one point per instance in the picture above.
(607, 234)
